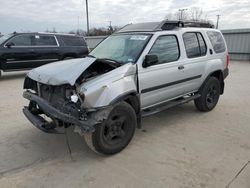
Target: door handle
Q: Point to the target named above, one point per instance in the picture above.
(181, 67)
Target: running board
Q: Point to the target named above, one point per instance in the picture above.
(167, 105)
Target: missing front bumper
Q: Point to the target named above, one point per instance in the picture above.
(52, 112)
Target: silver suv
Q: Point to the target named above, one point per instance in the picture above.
(138, 71)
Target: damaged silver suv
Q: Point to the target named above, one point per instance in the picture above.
(138, 71)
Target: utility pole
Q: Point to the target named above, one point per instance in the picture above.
(110, 22)
(77, 32)
(181, 13)
(218, 19)
(110, 28)
(87, 12)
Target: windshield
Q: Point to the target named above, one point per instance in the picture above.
(4, 38)
(122, 48)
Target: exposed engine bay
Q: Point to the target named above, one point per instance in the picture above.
(99, 67)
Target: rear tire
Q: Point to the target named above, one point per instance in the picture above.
(115, 133)
(210, 94)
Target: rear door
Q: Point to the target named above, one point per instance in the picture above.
(72, 46)
(194, 64)
(46, 49)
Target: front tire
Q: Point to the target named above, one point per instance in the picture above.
(210, 94)
(115, 133)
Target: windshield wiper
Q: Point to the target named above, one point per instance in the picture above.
(112, 60)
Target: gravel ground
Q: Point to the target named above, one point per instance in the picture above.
(179, 147)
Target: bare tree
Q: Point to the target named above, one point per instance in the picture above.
(196, 14)
(177, 16)
(193, 14)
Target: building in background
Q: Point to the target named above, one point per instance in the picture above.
(238, 43)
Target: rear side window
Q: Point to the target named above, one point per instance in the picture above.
(166, 48)
(217, 41)
(194, 44)
(21, 40)
(203, 47)
(45, 40)
(71, 41)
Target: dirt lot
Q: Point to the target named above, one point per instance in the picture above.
(180, 147)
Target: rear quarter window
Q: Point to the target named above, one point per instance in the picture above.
(217, 41)
(71, 41)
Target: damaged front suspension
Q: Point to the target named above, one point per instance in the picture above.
(81, 126)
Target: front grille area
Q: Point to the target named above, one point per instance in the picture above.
(55, 95)
(30, 84)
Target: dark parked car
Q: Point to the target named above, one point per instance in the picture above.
(22, 51)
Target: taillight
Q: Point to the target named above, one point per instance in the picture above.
(228, 60)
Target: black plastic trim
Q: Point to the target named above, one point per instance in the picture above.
(225, 73)
(169, 84)
(123, 97)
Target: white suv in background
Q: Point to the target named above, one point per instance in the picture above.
(138, 71)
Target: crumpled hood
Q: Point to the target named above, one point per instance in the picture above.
(61, 72)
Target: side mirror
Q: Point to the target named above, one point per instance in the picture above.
(9, 44)
(150, 60)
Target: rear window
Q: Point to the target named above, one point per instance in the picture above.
(45, 40)
(217, 41)
(71, 41)
(194, 44)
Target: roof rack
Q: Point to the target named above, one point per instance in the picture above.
(164, 25)
(198, 24)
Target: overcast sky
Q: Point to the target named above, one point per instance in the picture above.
(39, 15)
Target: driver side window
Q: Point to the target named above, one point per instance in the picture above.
(166, 48)
(21, 40)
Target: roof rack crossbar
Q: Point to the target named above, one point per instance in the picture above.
(169, 25)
